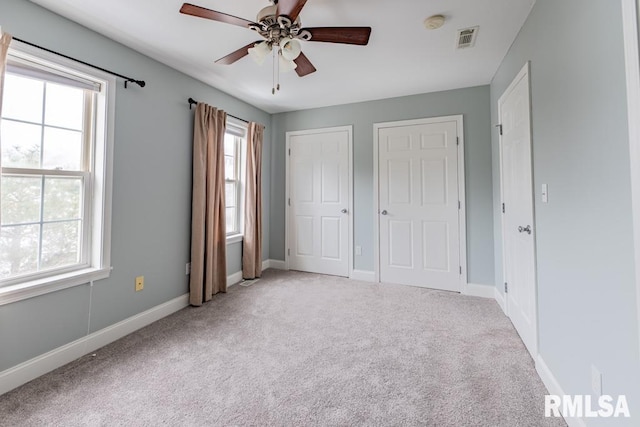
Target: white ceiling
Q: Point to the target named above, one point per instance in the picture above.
(402, 57)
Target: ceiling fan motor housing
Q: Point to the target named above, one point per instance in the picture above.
(274, 28)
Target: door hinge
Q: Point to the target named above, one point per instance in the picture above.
(457, 140)
(460, 270)
(499, 128)
(289, 202)
(506, 288)
(290, 149)
(503, 208)
(459, 205)
(289, 252)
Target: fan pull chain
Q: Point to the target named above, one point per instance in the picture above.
(278, 61)
(273, 80)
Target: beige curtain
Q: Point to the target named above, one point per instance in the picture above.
(5, 41)
(208, 226)
(252, 242)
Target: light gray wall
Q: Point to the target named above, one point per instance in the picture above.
(473, 103)
(586, 291)
(151, 195)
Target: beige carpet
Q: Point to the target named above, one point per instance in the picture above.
(305, 350)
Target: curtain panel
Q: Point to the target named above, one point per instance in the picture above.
(252, 241)
(208, 226)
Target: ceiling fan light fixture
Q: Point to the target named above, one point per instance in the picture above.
(260, 52)
(286, 65)
(291, 48)
(267, 12)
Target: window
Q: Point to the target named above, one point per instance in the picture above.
(55, 184)
(234, 147)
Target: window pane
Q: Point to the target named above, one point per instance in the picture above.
(64, 106)
(21, 199)
(22, 98)
(19, 250)
(229, 168)
(62, 198)
(60, 244)
(230, 194)
(231, 220)
(229, 145)
(62, 149)
(20, 144)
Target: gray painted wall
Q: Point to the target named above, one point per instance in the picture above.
(586, 291)
(151, 194)
(473, 103)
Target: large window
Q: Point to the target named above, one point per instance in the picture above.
(55, 179)
(234, 147)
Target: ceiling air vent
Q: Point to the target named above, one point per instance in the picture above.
(466, 37)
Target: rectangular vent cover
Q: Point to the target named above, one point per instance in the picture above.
(467, 37)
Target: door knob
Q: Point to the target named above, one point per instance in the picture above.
(526, 229)
(343, 211)
(384, 212)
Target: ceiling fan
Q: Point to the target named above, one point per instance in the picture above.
(279, 25)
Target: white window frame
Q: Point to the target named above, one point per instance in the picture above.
(240, 128)
(98, 258)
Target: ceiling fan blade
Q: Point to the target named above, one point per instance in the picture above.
(201, 12)
(345, 35)
(304, 66)
(290, 8)
(235, 56)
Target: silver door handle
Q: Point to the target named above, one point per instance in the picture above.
(384, 212)
(344, 211)
(526, 229)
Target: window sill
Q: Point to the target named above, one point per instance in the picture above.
(34, 288)
(234, 238)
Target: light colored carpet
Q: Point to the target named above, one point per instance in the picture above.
(305, 350)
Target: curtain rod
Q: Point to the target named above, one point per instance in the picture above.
(127, 80)
(194, 102)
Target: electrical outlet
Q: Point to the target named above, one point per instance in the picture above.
(139, 283)
(358, 250)
(596, 381)
(187, 269)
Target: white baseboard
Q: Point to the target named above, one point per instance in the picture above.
(363, 275)
(553, 387)
(500, 300)
(482, 291)
(234, 278)
(277, 264)
(47, 362)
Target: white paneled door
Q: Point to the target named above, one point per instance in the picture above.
(419, 204)
(318, 201)
(517, 217)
